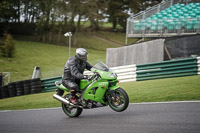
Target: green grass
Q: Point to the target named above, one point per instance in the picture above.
(88, 40)
(101, 25)
(41, 100)
(50, 58)
(113, 36)
(119, 37)
(171, 89)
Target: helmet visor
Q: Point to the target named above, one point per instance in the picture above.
(83, 57)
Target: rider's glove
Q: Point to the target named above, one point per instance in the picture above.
(91, 77)
(85, 76)
(97, 74)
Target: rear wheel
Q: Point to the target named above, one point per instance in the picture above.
(119, 100)
(70, 110)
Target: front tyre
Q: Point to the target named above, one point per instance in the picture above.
(118, 100)
(70, 110)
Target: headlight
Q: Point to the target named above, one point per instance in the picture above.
(113, 75)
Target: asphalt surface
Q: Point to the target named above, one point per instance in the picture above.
(181, 117)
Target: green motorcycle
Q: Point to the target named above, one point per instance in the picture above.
(100, 91)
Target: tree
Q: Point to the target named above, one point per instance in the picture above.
(141, 5)
(95, 11)
(116, 11)
(7, 11)
(8, 46)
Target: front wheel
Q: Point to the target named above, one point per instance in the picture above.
(70, 110)
(118, 100)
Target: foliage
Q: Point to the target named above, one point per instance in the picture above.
(50, 19)
(141, 5)
(116, 10)
(8, 47)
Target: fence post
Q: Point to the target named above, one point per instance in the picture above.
(158, 10)
(172, 1)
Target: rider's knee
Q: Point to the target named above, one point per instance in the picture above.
(59, 92)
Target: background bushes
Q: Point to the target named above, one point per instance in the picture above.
(7, 46)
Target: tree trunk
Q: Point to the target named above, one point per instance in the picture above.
(59, 33)
(114, 24)
(76, 32)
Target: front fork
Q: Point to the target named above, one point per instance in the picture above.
(111, 92)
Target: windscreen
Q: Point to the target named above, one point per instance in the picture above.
(101, 66)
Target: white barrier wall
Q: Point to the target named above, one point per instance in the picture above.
(142, 53)
(125, 73)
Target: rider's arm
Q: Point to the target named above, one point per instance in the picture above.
(88, 66)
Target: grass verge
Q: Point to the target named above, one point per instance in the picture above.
(50, 58)
(171, 89)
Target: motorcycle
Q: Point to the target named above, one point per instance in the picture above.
(100, 91)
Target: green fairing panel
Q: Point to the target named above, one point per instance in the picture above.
(96, 92)
(84, 84)
(62, 87)
(114, 87)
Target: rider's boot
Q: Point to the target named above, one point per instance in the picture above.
(73, 97)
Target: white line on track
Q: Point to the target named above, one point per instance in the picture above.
(198, 101)
(168, 102)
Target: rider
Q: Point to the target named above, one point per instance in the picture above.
(73, 73)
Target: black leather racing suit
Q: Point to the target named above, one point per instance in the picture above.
(73, 73)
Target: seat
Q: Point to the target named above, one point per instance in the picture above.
(189, 24)
(171, 25)
(137, 26)
(153, 25)
(142, 25)
(160, 24)
(178, 24)
(196, 24)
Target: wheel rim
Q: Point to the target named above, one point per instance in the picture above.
(118, 102)
(69, 110)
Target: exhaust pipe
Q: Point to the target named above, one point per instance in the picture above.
(61, 99)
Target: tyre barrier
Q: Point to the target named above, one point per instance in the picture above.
(12, 89)
(27, 87)
(0, 93)
(4, 91)
(20, 88)
(36, 86)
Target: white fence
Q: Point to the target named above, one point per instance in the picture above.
(181, 67)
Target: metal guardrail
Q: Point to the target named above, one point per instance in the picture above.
(48, 84)
(168, 69)
(165, 69)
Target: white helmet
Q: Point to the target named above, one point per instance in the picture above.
(81, 54)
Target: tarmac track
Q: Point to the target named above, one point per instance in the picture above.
(172, 117)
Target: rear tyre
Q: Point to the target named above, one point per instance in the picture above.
(70, 110)
(119, 101)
